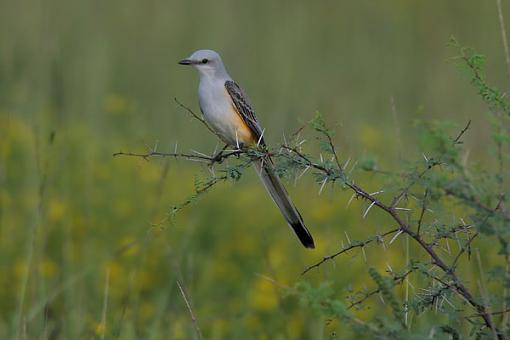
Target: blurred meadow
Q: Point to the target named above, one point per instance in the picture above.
(87, 247)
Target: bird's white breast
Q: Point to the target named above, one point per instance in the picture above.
(217, 108)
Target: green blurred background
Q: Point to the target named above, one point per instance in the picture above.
(80, 80)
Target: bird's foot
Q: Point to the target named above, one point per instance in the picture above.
(219, 157)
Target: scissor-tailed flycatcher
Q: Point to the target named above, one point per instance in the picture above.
(229, 114)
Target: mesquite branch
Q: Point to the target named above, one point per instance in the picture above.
(397, 279)
(332, 172)
(198, 157)
(392, 211)
(378, 238)
(193, 114)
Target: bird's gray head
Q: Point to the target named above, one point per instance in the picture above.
(207, 62)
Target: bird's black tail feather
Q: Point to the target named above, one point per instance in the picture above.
(280, 196)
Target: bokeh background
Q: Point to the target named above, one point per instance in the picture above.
(86, 246)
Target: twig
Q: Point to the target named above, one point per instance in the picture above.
(448, 234)
(473, 201)
(430, 165)
(463, 250)
(493, 313)
(423, 209)
(467, 245)
(194, 115)
(301, 128)
(398, 279)
(333, 149)
(461, 133)
(350, 247)
(218, 158)
(188, 305)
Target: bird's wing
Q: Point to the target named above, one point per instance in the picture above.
(265, 168)
(244, 110)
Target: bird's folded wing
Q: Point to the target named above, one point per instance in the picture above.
(244, 110)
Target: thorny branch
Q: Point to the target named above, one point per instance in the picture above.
(423, 209)
(397, 279)
(392, 211)
(333, 174)
(378, 238)
(466, 247)
(198, 157)
(430, 164)
(193, 114)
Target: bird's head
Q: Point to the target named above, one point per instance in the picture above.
(207, 62)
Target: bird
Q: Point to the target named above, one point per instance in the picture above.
(230, 115)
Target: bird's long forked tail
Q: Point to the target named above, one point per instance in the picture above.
(280, 196)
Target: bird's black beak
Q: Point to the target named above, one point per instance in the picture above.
(185, 62)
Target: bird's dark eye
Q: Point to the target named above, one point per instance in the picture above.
(204, 61)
